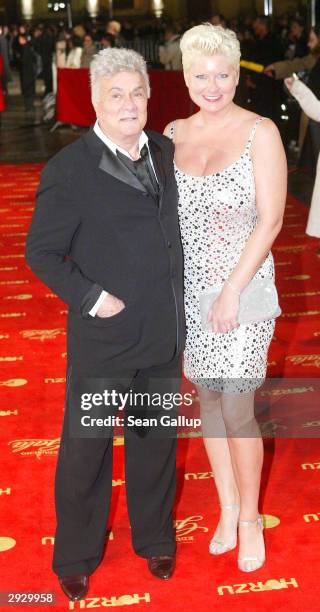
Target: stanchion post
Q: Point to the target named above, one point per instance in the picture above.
(69, 14)
(313, 13)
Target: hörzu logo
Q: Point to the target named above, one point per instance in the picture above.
(198, 476)
(106, 602)
(311, 517)
(257, 587)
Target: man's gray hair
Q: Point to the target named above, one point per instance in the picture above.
(110, 61)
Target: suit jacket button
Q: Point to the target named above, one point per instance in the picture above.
(169, 245)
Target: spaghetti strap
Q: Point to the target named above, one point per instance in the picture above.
(253, 131)
(172, 130)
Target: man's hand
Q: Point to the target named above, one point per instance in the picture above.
(110, 306)
(269, 70)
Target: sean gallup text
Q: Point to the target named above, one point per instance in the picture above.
(132, 421)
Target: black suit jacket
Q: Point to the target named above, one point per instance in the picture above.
(95, 227)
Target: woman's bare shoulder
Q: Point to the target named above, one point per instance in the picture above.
(176, 124)
(247, 116)
(267, 146)
(168, 129)
(267, 130)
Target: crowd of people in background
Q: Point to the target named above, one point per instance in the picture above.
(282, 45)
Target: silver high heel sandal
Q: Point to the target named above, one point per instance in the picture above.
(259, 561)
(219, 547)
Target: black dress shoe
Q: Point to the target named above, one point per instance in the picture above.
(74, 587)
(162, 567)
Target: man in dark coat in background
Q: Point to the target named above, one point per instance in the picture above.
(27, 69)
(265, 93)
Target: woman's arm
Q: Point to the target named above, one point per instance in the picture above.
(285, 68)
(270, 174)
(306, 98)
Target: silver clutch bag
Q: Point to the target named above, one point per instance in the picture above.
(258, 302)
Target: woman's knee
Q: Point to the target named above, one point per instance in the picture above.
(238, 414)
(209, 400)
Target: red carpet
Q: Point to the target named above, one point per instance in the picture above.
(32, 370)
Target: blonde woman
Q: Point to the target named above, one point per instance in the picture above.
(311, 107)
(230, 168)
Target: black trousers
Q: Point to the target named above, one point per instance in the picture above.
(84, 478)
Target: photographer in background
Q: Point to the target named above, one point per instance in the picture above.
(169, 53)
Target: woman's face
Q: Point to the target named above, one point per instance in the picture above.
(87, 41)
(313, 40)
(212, 82)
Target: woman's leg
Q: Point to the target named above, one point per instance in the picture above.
(216, 445)
(246, 450)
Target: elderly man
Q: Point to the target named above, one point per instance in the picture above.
(105, 238)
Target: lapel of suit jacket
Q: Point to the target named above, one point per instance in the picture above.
(158, 162)
(109, 163)
(112, 165)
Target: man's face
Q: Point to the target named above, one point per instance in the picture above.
(296, 29)
(258, 27)
(121, 107)
(168, 35)
(215, 20)
(105, 43)
(313, 40)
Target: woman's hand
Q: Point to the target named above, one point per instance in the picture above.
(289, 82)
(223, 315)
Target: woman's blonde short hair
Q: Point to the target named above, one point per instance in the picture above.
(207, 39)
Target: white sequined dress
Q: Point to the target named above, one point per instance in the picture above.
(217, 215)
